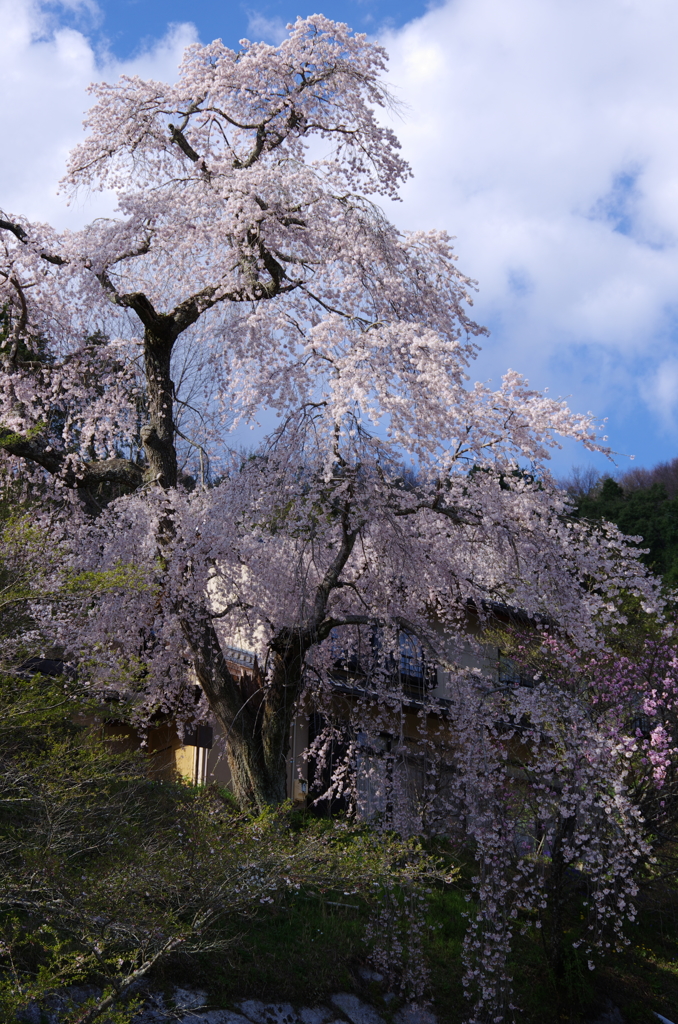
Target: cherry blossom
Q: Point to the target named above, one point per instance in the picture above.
(249, 269)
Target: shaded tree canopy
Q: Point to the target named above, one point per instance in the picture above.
(642, 511)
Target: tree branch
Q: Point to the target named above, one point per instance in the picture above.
(183, 143)
(16, 229)
(34, 448)
(22, 235)
(449, 513)
(121, 987)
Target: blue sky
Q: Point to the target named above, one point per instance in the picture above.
(126, 26)
(542, 134)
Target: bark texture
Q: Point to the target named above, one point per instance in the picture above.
(255, 716)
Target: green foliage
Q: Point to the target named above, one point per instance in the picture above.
(26, 562)
(648, 513)
(122, 576)
(28, 435)
(105, 873)
(33, 566)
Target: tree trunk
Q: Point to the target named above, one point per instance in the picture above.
(158, 434)
(258, 753)
(256, 720)
(556, 892)
(256, 783)
(256, 725)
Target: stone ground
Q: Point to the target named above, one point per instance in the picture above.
(191, 1006)
(341, 1008)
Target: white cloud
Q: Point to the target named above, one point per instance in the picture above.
(660, 390)
(269, 30)
(44, 73)
(543, 135)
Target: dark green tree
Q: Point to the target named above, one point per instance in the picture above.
(645, 512)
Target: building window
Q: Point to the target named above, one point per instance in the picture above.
(416, 676)
(511, 673)
(406, 668)
(641, 724)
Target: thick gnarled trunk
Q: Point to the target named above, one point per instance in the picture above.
(258, 761)
(259, 781)
(256, 724)
(158, 434)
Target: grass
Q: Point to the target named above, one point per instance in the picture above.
(298, 951)
(300, 948)
(645, 975)
(303, 951)
(443, 954)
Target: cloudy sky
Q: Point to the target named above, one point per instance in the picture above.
(543, 134)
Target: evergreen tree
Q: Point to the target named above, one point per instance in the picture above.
(647, 513)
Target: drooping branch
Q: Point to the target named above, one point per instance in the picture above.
(85, 476)
(16, 229)
(22, 235)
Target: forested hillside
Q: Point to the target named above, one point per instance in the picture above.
(642, 503)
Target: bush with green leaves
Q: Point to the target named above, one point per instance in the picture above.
(104, 872)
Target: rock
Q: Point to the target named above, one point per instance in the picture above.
(190, 1006)
(610, 1015)
(355, 1009)
(315, 1015)
(189, 999)
(57, 1004)
(151, 1015)
(154, 1011)
(367, 975)
(268, 1013)
(414, 1014)
(31, 1014)
(214, 1017)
